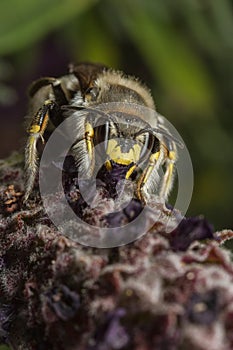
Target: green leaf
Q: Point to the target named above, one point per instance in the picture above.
(24, 22)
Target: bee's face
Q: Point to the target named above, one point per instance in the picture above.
(124, 140)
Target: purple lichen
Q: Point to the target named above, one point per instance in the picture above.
(163, 291)
(188, 231)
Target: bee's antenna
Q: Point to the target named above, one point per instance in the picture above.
(155, 131)
(86, 109)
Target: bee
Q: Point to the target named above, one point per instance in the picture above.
(131, 144)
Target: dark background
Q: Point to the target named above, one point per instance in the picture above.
(182, 49)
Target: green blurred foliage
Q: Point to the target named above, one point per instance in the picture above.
(182, 49)
(23, 22)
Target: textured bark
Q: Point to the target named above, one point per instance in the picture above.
(163, 291)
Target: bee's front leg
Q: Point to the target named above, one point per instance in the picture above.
(168, 178)
(36, 131)
(149, 177)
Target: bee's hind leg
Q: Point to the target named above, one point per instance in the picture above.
(50, 111)
(36, 131)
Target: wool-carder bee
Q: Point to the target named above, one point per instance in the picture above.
(86, 86)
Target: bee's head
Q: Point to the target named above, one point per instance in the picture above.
(125, 138)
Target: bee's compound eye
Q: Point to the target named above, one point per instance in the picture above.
(91, 94)
(102, 132)
(149, 143)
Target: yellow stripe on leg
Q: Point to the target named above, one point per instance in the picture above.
(130, 171)
(89, 134)
(145, 175)
(153, 159)
(34, 129)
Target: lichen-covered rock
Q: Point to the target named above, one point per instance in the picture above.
(163, 291)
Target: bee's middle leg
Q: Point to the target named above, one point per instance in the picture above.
(149, 177)
(146, 178)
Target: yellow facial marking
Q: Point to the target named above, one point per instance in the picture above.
(114, 152)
